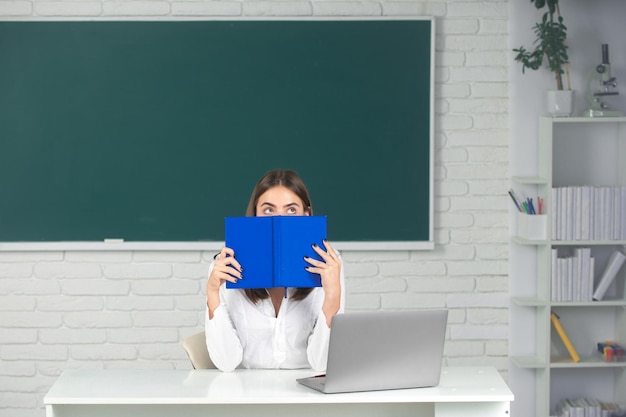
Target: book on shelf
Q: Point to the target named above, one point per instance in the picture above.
(613, 266)
(554, 209)
(605, 215)
(564, 338)
(572, 276)
(569, 213)
(565, 212)
(597, 213)
(589, 213)
(623, 205)
(576, 213)
(618, 218)
(272, 249)
(585, 213)
(587, 407)
(554, 275)
(585, 262)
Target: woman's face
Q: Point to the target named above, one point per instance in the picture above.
(280, 201)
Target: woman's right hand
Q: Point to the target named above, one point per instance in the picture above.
(225, 268)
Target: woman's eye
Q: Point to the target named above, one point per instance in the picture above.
(291, 210)
(268, 211)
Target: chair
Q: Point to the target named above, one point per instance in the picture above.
(195, 346)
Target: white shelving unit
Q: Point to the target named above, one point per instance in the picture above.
(571, 152)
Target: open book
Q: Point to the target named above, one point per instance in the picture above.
(613, 266)
(271, 249)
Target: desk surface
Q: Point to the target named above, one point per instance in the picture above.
(458, 384)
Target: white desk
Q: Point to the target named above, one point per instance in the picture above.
(463, 391)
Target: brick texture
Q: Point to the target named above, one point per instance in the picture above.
(61, 310)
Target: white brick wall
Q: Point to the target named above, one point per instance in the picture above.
(62, 310)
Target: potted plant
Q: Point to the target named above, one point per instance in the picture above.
(550, 44)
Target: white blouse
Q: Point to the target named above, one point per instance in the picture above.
(247, 335)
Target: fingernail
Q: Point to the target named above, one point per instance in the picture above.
(306, 257)
(325, 240)
(314, 245)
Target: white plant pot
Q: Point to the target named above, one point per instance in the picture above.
(560, 103)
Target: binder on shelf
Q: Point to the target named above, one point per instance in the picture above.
(572, 276)
(585, 213)
(623, 213)
(589, 213)
(554, 275)
(587, 407)
(617, 214)
(577, 213)
(608, 275)
(586, 274)
(607, 217)
(567, 213)
(564, 338)
(554, 209)
(597, 213)
(272, 249)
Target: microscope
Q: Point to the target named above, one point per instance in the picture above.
(607, 84)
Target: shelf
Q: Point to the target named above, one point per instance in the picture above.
(588, 242)
(586, 362)
(570, 151)
(532, 362)
(537, 302)
(529, 302)
(564, 120)
(536, 242)
(529, 242)
(530, 180)
(603, 303)
(528, 362)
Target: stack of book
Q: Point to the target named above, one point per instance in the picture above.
(572, 275)
(588, 407)
(589, 213)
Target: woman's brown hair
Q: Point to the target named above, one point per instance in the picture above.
(280, 177)
(292, 181)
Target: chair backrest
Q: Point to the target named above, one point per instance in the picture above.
(195, 346)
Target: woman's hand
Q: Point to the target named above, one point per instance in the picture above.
(329, 270)
(225, 268)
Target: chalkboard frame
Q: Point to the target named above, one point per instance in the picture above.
(120, 244)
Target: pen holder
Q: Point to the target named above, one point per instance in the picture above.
(531, 226)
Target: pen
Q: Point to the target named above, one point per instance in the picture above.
(514, 200)
(531, 207)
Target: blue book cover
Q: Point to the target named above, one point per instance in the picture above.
(271, 249)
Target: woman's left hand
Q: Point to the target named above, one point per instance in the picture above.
(329, 269)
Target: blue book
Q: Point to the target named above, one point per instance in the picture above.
(271, 249)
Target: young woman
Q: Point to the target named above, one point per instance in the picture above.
(273, 327)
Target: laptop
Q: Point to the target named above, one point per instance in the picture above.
(383, 350)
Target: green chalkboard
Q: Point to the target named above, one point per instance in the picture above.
(156, 131)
